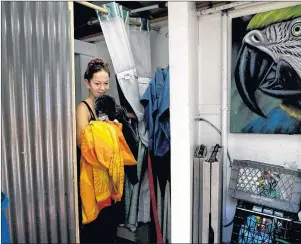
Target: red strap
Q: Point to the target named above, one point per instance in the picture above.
(153, 200)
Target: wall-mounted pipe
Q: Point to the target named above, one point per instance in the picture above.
(221, 8)
(230, 7)
(160, 5)
(225, 109)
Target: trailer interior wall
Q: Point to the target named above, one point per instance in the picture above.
(273, 149)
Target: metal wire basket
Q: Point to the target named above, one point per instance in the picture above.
(252, 227)
(265, 184)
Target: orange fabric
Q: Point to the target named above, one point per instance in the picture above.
(104, 152)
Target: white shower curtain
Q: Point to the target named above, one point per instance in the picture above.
(129, 48)
(141, 51)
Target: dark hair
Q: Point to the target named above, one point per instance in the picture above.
(94, 66)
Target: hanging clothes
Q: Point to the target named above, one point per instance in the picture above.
(144, 205)
(107, 105)
(156, 113)
(132, 194)
(133, 174)
(104, 152)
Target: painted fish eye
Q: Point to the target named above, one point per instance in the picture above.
(296, 29)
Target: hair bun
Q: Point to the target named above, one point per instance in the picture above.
(98, 61)
(95, 65)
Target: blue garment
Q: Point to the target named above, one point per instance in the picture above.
(252, 236)
(156, 112)
(5, 237)
(277, 121)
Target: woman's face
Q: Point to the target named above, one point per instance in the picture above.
(99, 84)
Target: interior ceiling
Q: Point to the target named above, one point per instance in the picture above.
(83, 14)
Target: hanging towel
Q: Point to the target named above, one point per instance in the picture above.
(106, 104)
(104, 154)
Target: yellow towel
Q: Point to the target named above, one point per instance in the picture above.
(104, 152)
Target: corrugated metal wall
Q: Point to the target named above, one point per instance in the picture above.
(36, 132)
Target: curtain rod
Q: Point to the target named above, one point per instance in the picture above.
(132, 22)
(90, 5)
(152, 21)
(154, 28)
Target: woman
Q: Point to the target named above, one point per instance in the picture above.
(104, 228)
(97, 78)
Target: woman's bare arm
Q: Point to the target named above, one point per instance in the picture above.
(82, 120)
